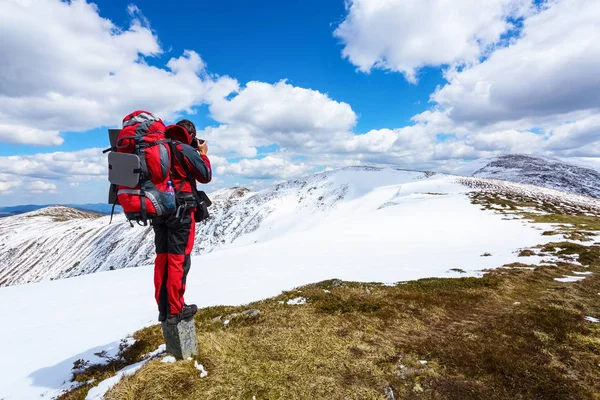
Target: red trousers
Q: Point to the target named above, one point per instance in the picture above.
(174, 240)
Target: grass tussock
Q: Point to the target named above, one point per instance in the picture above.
(515, 333)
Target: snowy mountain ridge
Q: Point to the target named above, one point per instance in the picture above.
(59, 242)
(538, 171)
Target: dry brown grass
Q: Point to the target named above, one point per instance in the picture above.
(359, 339)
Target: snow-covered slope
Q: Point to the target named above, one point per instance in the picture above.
(539, 171)
(61, 242)
(58, 242)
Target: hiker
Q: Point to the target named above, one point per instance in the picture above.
(153, 171)
(174, 234)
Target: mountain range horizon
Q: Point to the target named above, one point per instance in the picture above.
(474, 168)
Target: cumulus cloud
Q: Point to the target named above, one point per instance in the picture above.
(577, 135)
(38, 187)
(24, 185)
(283, 108)
(75, 71)
(405, 35)
(269, 167)
(59, 165)
(18, 134)
(534, 93)
(547, 76)
(262, 114)
(6, 187)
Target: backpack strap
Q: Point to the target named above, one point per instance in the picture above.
(139, 145)
(112, 211)
(180, 158)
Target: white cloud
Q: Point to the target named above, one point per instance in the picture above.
(6, 187)
(269, 167)
(59, 165)
(509, 141)
(545, 77)
(233, 140)
(11, 184)
(536, 93)
(405, 35)
(18, 134)
(65, 68)
(576, 135)
(39, 187)
(282, 108)
(262, 114)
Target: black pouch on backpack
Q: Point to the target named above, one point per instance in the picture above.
(202, 207)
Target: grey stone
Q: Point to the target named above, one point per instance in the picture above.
(337, 283)
(216, 319)
(181, 339)
(389, 393)
(231, 316)
(252, 313)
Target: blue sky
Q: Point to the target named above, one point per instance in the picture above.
(284, 89)
(259, 41)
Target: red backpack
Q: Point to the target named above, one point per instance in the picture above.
(139, 168)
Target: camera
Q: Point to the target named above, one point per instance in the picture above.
(195, 141)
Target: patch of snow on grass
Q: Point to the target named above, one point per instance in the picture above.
(200, 367)
(569, 278)
(161, 349)
(592, 319)
(98, 392)
(168, 359)
(525, 268)
(297, 301)
(581, 273)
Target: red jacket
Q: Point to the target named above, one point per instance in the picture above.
(197, 164)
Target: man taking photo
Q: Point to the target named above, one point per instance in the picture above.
(174, 234)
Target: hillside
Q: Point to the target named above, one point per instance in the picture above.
(539, 171)
(358, 225)
(36, 247)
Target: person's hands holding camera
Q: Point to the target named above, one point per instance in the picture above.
(202, 146)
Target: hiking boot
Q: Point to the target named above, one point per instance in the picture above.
(188, 312)
(162, 316)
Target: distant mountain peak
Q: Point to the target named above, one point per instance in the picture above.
(60, 213)
(539, 171)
